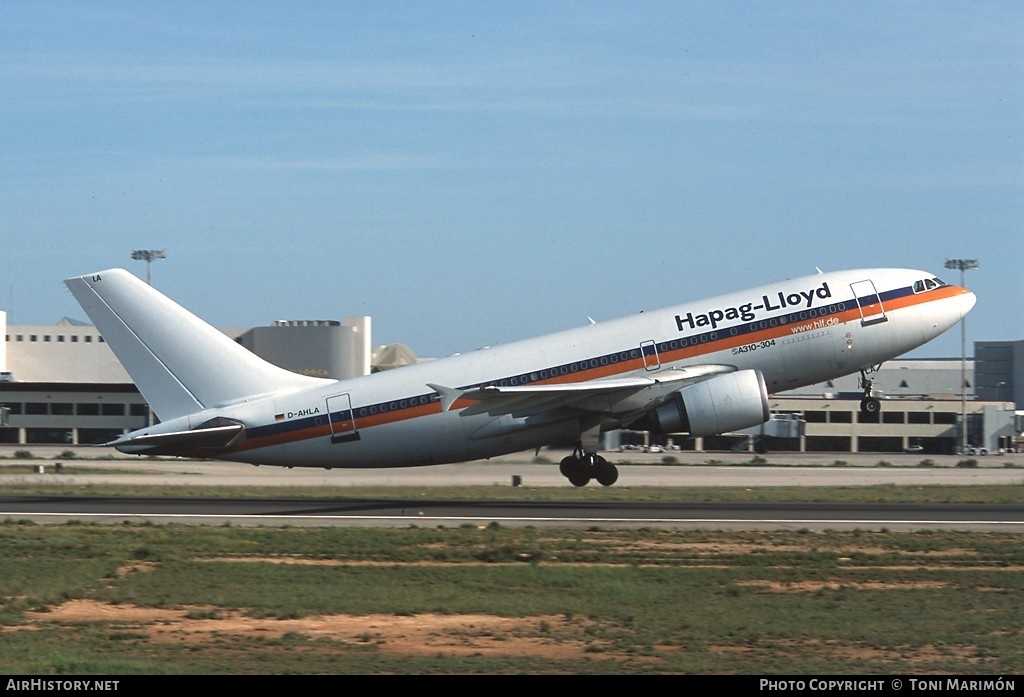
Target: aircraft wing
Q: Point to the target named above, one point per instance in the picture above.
(614, 397)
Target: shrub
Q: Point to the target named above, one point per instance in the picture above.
(970, 462)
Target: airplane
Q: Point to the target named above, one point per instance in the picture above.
(696, 369)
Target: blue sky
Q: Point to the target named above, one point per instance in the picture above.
(472, 173)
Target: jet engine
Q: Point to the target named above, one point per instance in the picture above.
(726, 402)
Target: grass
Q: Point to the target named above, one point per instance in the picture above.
(281, 600)
(610, 601)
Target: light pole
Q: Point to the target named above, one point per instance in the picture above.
(148, 255)
(964, 265)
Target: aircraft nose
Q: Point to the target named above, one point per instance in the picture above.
(967, 301)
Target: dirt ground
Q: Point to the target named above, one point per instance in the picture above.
(552, 636)
(424, 634)
(420, 634)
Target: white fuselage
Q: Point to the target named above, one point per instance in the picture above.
(795, 333)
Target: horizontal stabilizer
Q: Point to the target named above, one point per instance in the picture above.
(213, 438)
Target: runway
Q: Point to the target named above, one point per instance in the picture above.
(296, 512)
(425, 508)
(636, 469)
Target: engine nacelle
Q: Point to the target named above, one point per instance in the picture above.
(724, 403)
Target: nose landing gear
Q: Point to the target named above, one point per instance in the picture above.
(869, 404)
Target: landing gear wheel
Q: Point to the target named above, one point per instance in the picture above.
(580, 467)
(575, 469)
(870, 405)
(606, 473)
(567, 464)
(579, 477)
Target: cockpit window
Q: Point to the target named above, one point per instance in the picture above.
(927, 284)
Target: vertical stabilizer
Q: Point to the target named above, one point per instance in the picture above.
(180, 364)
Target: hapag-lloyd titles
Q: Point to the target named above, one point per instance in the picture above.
(746, 311)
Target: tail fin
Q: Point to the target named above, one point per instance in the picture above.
(180, 364)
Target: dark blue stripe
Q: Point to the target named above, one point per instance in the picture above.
(705, 339)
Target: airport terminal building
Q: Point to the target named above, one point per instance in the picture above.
(62, 384)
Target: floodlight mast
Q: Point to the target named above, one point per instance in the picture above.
(149, 255)
(964, 265)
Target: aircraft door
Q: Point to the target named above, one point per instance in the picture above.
(870, 305)
(343, 422)
(650, 353)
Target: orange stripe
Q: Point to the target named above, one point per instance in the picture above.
(721, 343)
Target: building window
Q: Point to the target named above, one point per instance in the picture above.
(88, 409)
(840, 417)
(919, 417)
(879, 444)
(47, 435)
(61, 409)
(863, 418)
(36, 409)
(893, 417)
(828, 443)
(112, 409)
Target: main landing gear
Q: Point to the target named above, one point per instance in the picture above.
(580, 467)
(869, 404)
